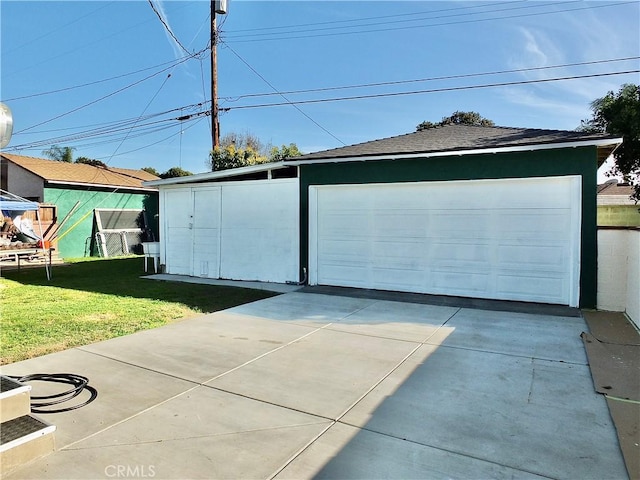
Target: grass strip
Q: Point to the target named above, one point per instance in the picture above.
(90, 300)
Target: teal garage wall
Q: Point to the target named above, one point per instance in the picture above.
(73, 236)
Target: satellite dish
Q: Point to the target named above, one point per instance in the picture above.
(6, 125)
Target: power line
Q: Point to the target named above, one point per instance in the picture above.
(96, 82)
(157, 142)
(390, 22)
(280, 94)
(272, 38)
(113, 128)
(166, 27)
(59, 27)
(444, 89)
(428, 79)
(123, 122)
(101, 98)
(333, 22)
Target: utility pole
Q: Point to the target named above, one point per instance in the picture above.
(215, 126)
(220, 7)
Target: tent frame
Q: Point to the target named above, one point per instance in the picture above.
(14, 203)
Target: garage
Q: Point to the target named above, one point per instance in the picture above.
(233, 230)
(460, 210)
(516, 239)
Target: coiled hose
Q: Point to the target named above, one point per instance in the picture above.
(78, 385)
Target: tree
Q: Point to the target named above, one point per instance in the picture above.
(243, 141)
(174, 172)
(284, 152)
(151, 170)
(90, 161)
(223, 158)
(60, 154)
(458, 118)
(619, 114)
(244, 149)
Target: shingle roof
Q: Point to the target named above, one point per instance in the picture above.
(457, 138)
(612, 187)
(80, 173)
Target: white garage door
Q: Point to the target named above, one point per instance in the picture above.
(234, 230)
(516, 239)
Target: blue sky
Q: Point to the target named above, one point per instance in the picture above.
(95, 75)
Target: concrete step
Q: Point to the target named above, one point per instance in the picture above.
(23, 440)
(23, 437)
(15, 399)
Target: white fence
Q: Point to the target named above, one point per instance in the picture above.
(619, 271)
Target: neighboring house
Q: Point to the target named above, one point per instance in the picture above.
(485, 212)
(615, 206)
(65, 185)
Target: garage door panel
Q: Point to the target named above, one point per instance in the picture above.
(488, 239)
(357, 275)
(458, 222)
(537, 288)
(550, 224)
(448, 282)
(460, 252)
(533, 257)
(394, 279)
(338, 224)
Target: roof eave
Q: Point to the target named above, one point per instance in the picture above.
(612, 143)
(99, 185)
(218, 174)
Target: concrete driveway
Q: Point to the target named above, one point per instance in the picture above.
(306, 385)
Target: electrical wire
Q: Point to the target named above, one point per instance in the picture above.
(96, 82)
(390, 22)
(508, 17)
(286, 99)
(427, 79)
(122, 122)
(58, 28)
(166, 27)
(120, 90)
(116, 127)
(145, 109)
(434, 90)
(159, 141)
(145, 128)
(333, 22)
(79, 384)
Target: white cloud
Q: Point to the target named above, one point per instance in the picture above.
(177, 50)
(571, 38)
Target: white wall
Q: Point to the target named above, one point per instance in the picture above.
(619, 271)
(246, 230)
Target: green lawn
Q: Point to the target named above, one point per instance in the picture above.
(91, 300)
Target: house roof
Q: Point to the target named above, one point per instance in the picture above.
(613, 193)
(461, 139)
(612, 187)
(55, 172)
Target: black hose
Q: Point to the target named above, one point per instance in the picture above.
(78, 385)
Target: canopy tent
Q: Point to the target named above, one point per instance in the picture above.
(12, 203)
(13, 206)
